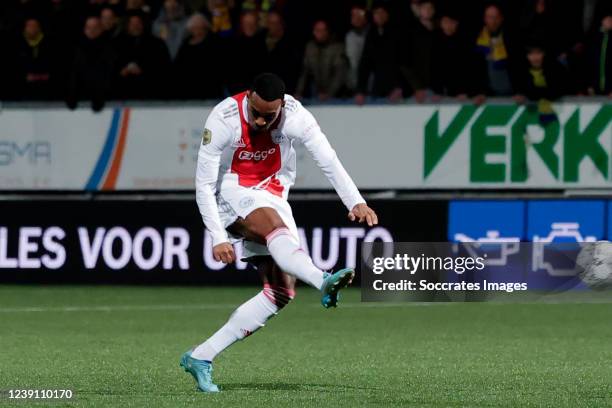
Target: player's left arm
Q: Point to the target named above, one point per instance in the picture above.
(315, 141)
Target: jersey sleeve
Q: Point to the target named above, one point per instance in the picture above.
(215, 137)
(305, 128)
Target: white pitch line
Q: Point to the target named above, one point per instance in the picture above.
(117, 308)
(221, 306)
(122, 308)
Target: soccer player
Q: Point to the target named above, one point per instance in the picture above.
(246, 165)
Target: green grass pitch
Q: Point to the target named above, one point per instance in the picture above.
(120, 347)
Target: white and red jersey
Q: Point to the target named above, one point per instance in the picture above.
(233, 154)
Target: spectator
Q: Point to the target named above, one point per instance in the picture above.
(354, 43)
(600, 58)
(494, 52)
(414, 8)
(35, 56)
(282, 58)
(110, 23)
(592, 12)
(379, 73)
(246, 54)
(401, 51)
(451, 68)
(143, 61)
(220, 12)
(542, 79)
(324, 70)
(91, 73)
(419, 65)
(196, 67)
(170, 25)
(261, 7)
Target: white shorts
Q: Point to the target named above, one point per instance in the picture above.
(235, 201)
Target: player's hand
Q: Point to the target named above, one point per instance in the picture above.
(361, 212)
(224, 252)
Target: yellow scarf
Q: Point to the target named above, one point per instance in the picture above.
(545, 107)
(494, 47)
(33, 43)
(221, 20)
(539, 80)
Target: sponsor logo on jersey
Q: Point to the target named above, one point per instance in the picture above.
(256, 156)
(206, 136)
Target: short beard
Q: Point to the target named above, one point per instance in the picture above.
(258, 129)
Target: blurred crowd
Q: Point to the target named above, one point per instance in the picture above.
(375, 50)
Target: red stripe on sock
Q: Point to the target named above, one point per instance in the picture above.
(277, 232)
(279, 295)
(281, 289)
(269, 295)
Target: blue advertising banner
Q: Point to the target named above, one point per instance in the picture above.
(476, 220)
(560, 225)
(565, 220)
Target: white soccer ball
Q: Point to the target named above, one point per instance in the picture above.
(594, 263)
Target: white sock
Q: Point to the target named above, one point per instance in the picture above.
(248, 318)
(292, 259)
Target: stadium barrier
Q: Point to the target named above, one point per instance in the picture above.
(164, 242)
(449, 146)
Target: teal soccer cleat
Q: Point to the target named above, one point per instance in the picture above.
(201, 370)
(332, 283)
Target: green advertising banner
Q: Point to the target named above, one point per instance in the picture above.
(509, 145)
(447, 146)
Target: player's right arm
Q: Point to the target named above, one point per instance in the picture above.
(216, 136)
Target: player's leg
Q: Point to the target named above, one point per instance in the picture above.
(278, 290)
(279, 287)
(264, 225)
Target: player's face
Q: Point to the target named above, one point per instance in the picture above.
(262, 114)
